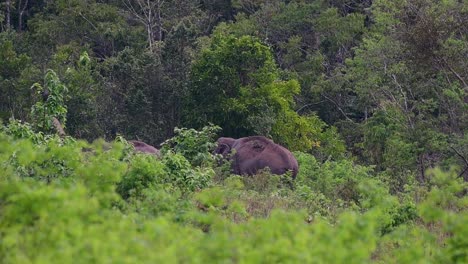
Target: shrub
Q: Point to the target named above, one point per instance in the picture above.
(144, 171)
(183, 175)
(195, 146)
(336, 180)
(76, 215)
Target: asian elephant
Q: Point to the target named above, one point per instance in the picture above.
(255, 153)
(144, 148)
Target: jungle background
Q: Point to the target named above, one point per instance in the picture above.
(371, 97)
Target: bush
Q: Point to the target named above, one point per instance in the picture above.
(195, 146)
(144, 171)
(183, 175)
(73, 213)
(336, 180)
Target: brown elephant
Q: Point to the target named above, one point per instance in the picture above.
(255, 153)
(142, 147)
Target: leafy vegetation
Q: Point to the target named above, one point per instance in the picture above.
(61, 203)
(370, 96)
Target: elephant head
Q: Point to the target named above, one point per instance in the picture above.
(224, 146)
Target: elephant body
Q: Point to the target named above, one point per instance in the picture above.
(255, 153)
(144, 148)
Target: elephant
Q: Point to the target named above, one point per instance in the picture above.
(255, 153)
(142, 147)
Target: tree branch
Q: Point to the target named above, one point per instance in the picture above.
(307, 105)
(455, 73)
(339, 108)
(459, 154)
(89, 22)
(463, 158)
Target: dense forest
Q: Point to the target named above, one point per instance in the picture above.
(370, 96)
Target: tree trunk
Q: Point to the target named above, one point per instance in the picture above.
(21, 13)
(8, 14)
(158, 22)
(422, 168)
(150, 37)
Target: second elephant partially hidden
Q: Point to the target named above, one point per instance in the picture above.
(142, 147)
(252, 154)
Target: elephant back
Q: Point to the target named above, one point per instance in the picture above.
(266, 153)
(144, 148)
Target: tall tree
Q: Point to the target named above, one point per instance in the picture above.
(8, 14)
(236, 84)
(22, 6)
(148, 13)
(409, 85)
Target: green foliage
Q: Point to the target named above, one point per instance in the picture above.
(443, 211)
(336, 180)
(373, 94)
(253, 67)
(68, 209)
(235, 84)
(54, 106)
(243, 68)
(77, 229)
(447, 204)
(83, 84)
(338, 31)
(66, 21)
(54, 161)
(308, 134)
(174, 170)
(17, 73)
(21, 130)
(183, 175)
(145, 172)
(195, 146)
(403, 92)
